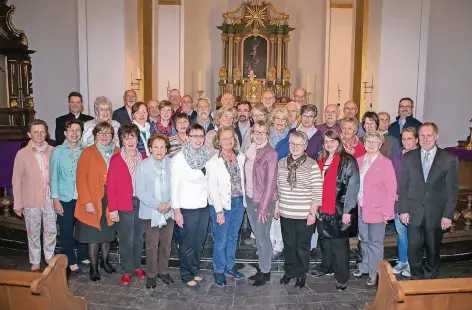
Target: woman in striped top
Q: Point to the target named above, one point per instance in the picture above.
(182, 121)
(299, 186)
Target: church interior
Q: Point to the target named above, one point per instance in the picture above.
(372, 52)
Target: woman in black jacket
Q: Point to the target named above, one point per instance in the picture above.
(337, 215)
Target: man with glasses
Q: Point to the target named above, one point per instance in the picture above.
(187, 106)
(299, 96)
(405, 118)
(350, 111)
(331, 114)
(175, 98)
(153, 111)
(268, 100)
(293, 110)
(123, 114)
(203, 117)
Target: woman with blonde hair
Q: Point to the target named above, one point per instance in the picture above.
(224, 118)
(351, 143)
(103, 113)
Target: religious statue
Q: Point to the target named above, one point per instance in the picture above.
(222, 73)
(272, 74)
(237, 73)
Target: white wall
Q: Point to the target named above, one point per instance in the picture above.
(51, 28)
(448, 89)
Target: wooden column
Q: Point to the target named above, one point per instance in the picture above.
(360, 51)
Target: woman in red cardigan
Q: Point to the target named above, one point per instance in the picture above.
(351, 143)
(123, 204)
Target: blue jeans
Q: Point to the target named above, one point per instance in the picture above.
(66, 234)
(225, 237)
(402, 240)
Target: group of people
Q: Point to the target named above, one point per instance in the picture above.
(150, 172)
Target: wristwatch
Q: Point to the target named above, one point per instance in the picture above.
(313, 214)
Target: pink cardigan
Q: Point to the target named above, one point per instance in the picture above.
(119, 185)
(27, 180)
(380, 189)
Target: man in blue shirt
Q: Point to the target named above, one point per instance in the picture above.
(405, 118)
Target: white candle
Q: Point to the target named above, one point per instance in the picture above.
(138, 73)
(199, 80)
(308, 83)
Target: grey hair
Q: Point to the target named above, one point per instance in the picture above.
(350, 120)
(259, 107)
(300, 134)
(99, 101)
(374, 135)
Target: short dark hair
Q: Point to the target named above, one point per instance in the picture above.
(371, 115)
(128, 130)
(159, 136)
(39, 122)
(75, 94)
(309, 108)
(407, 99)
(181, 115)
(244, 102)
(195, 126)
(136, 107)
(76, 122)
(333, 134)
(103, 126)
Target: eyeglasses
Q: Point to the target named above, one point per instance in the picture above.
(350, 109)
(296, 145)
(227, 139)
(283, 120)
(104, 109)
(197, 136)
(308, 116)
(292, 111)
(372, 142)
(259, 133)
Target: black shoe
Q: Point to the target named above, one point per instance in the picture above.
(285, 280)
(107, 267)
(94, 275)
(151, 282)
(255, 276)
(341, 287)
(300, 283)
(262, 279)
(166, 278)
(318, 274)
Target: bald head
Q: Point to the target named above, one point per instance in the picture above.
(350, 109)
(227, 100)
(153, 108)
(384, 121)
(293, 110)
(268, 99)
(299, 96)
(331, 114)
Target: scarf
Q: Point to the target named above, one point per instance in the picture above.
(106, 151)
(132, 163)
(73, 154)
(292, 166)
(161, 191)
(145, 132)
(42, 157)
(275, 137)
(328, 200)
(166, 131)
(196, 159)
(350, 145)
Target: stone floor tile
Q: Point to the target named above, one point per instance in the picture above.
(109, 300)
(265, 300)
(310, 306)
(179, 305)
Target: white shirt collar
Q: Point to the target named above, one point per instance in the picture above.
(432, 153)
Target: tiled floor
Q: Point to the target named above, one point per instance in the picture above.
(318, 294)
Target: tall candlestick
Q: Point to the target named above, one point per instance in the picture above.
(308, 83)
(199, 80)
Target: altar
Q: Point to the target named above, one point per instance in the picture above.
(255, 50)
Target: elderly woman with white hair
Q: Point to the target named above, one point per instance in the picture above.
(224, 118)
(103, 113)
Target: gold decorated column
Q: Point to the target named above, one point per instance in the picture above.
(286, 41)
(279, 58)
(273, 39)
(230, 57)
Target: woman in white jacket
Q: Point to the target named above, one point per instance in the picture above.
(189, 193)
(227, 203)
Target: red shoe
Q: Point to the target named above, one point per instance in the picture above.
(126, 279)
(140, 273)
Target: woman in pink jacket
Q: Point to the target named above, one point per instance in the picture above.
(376, 198)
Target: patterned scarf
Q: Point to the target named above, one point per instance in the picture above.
(166, 131)
(196, 159)
(73, 154)
(42, 156)
(350, 145)
(292, 166)
(275, 137)
(145, 133)
(132, 162)
(106, 151)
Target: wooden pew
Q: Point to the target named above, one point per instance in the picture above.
(31, 290)
(438, 294)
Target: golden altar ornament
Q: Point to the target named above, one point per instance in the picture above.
(469, 145)
(6, 201)
(467, 212)
(255, 39)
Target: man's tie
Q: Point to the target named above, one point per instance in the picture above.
(426, 166)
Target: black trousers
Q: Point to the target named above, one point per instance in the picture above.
(335, 254)
(192, 240)
(423, 240)
(296, 235)
(66, 234)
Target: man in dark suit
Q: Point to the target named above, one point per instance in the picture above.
(75, 112)
(405, 118)
(244, 123)
(123, 114)
(427, 200)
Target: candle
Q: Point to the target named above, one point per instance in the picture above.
(138, 73)
(199, 80)
(308, 83)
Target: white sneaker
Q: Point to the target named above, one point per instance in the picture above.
(400, 267)
(406, 272)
